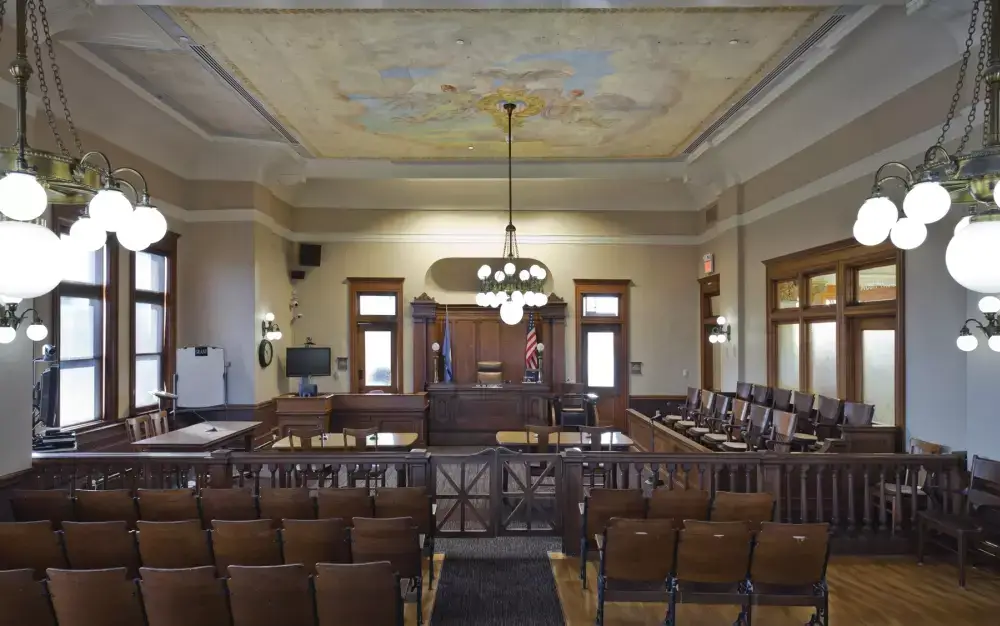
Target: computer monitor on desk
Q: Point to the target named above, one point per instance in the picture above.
(305, 363)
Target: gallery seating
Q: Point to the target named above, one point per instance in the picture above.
(183, 544)
(24, 599)
(100, 545)
(106, 597)
(184, 597)
(167, 505)
(264, 596)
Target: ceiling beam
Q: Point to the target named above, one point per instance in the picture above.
(494, 4)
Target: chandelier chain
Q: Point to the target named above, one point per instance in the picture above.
(3, 14)
(43, 85)
(960, 83)
(57, 78)
(978, 88)
(986, 44)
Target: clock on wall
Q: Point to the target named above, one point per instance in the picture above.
(265, 353)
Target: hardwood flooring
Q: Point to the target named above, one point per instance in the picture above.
(410, 608)
(865, 591)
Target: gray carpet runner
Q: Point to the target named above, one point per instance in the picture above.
(497, 582)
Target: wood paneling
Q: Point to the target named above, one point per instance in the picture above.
(468, 415)
(650, 404)
(389, 412)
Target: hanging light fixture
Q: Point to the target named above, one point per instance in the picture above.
(720, 332)
(966, 177)
(31, 178)
(967, 342)
(508, 288)
(10, 321)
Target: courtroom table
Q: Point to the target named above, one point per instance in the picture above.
(335, 442)
(388, 412)
(471, 415)
(618, 442)
(201, 437)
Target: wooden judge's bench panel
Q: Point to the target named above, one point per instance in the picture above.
(468, 415)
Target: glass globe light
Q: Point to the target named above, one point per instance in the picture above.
(484, 272)
(878, 212)
(499, 276)
(870, 233)
(721, 320)
(543, 299)
(480, 299)
(511, 314)
(529, 298)
(517, 298)
(10, 300)
(962, 223)
(712, 338)
(927, 202)
(541, 274)
(86, 235)
(33, 258)
(110, 209)
(972, 256)
(269, 317)
(7, 334)
(908, 233)
(509, 268)
(489, 298)
(22, 197)
(994, 343)
(156, 224)
(533, 270)
(277, 335)
(721, 338)
(435, 346)
(37, 332)
(131, 232)
(967, 343)
(989, 304)
(523, 275)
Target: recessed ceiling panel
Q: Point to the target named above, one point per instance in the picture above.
(431, 84)
(180, 80)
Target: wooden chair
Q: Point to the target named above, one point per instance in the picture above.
(637, 560)
(30, 545)
(345, 503)
(597, 509)
(397, 541)
(174, 545)
(679, 505)
(266, 596)
(267, 440)
(101, 545)
(184, 597)
(417, 504)
(252, 542)
(688, 409)
(137, 428)
(738, 422)
(312, 541)
(802, 406)
(977, 518)
(32, 505)
(111, 505)
(753, 508)
(697, 415)
(277, 504)
(743, 391)
(226, 504)
(858, 414)
(829, 413)
(713, 562)
(912, 484)
(782, 431)
(761, 394)
(105, 597)
(758, 422)
(705, 415)
(781, 399)
(594, 472)
(159, 423)
(301, 439)
(370, 474)
(24, 600)
(339, 587)
(167, 505)
(789, 568)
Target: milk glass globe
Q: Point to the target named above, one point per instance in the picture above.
(972, 256)
(908, 233)
(7, 334)
(511, 314)
(481, 299)
(878, 213)
(541, 273)
(484, 272)
(530, 298)
(533, 270)
(543, 299)
(517, 298)
(32, 257)
(22, 197)
(155, 225)
(37, 332)
(962, 223)
(927, 202)
(110, 209)
(712, 338)
(869, 233)
(967, 343)
(989, 304)
(523, 275)
(509, 269)
(499, 275)
(86, 235)
(994, 343)
(132, 232)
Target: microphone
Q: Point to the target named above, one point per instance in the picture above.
(210, 429)
(166, 395)
(163, 395)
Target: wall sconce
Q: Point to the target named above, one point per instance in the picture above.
(10, 321)
(540, 349)
(268, 329)
(720, 332)
(967, 342)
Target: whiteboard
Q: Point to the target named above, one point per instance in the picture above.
(201, 377)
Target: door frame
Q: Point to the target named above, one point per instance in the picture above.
(608, 287)
(709, 287)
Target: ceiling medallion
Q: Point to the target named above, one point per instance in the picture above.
(965, 177)
(509, 288)
(33, 178)
(524, 104)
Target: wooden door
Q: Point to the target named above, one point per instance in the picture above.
(602, 361)
(874, 366)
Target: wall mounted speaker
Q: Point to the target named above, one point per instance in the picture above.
(310, 254)
(297, 274)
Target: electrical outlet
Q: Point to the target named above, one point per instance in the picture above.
(684, 373)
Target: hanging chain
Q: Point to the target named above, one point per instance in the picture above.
(3, 14)
(978, 88)
(57, 79)
(42, 84)
(986, 42)
(960, 84)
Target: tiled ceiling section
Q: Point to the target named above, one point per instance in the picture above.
(179, 79)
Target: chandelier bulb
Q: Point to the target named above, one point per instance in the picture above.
(509, 269)
(484, 272)
(989, 304)
(967, 343)
(972, 256)
(908, 233)
(994, 343)
(927, 202)
(86, 235)
(499, 276)
(22, 197)
(523, 275)
(7, 334)
(37, 332)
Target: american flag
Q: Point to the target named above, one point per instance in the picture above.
(531, 345)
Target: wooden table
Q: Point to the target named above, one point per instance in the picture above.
(334, 442)
(519, 439)
(202, 437)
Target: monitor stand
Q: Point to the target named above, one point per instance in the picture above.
(306, 390)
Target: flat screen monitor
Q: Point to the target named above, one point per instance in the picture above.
(302, 362)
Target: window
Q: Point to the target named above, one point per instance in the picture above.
(84, 321)
(603, 306)
(153, 322)
(843, 342)
(376, 350)
(602, 345)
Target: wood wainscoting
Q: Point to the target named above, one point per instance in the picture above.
(667, 404)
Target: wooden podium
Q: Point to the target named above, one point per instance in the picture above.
(297, 412)
(470, 415)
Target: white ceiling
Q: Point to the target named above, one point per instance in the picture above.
(169, 107)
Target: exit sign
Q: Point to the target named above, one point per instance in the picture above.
(708, 263)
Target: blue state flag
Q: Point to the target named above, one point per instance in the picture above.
(446, 348)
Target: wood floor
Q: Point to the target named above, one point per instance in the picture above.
(865, 591)
(410, 608)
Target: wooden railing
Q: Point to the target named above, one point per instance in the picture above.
(854, 493)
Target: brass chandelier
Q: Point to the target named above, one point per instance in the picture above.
(508, 288)
(31, 178)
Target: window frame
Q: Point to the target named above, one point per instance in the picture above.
(166, 247)
(358, 323)
(63, 217)
(844, 259)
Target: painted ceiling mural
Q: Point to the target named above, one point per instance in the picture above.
(431, 84)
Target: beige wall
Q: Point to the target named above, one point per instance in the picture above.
(272, 294)
(663, 297)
